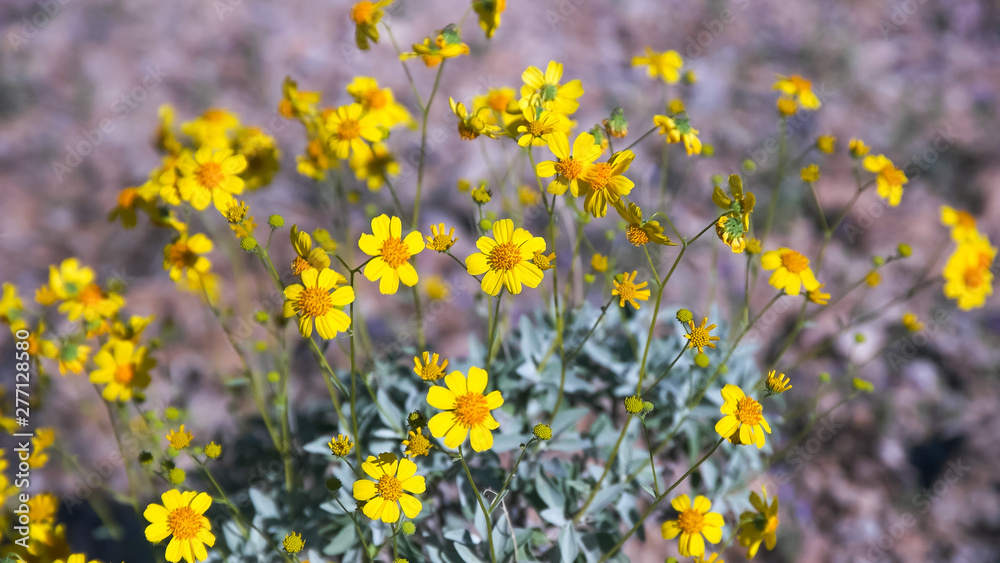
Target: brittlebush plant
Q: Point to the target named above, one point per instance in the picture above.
(558, 434)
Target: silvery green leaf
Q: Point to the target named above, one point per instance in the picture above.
(554, 515)
(319, 446)
(567, 418)
(568, 539)
(263, 505)
(343, 541)
(467, 554)
(389, 412)
(603, 498)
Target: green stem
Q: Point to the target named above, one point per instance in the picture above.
(513, 472)
(423, 147)
(652, 464)
(494, 321)
(482, 505)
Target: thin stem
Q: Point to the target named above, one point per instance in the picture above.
(423, 147)
(354, 381)
(513, 471)
(357, 527)
(652, 464)
(494, 321)
(640, 139)
(482, 505)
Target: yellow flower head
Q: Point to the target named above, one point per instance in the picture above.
(742, 414)
(599, 263)
(183, 256)
(366, 15)
(538, 126)
(678, 129)
(467, 410)
(312, 300)
(629, 291)
(759, 526)
(432, 368)
(437, 288)
(210, 176)
(373, 165)
(912, 323)
(393, 480)
(968, 274)
(826, 143)
(182, 515)
(796, 90)
(179, 439)
(71, 356)
(441, 240)
(350, 126)
(962, 223)
(124, 367)
(777, 383)
(341, 446)
(417, 444)
(489, 12)
(733, 227)
(639, 232)
(889, 179)
(544, 262)
(713, 558)
(11, 305)
(666, 65)
(602, 183)
(379, 103)
(810, 173)
(446, 44)
(307, 257)
(506, 259)
(472, 125)
(873, 278)
(791, 271)
(700, 336)
(545, 89)
(693, 522)
(296, 103)
(392, 253)
(77, 558)
(528, 196)
(818, 296)
(213, 450)
(570, 165)
(293, 542)
(858, 148)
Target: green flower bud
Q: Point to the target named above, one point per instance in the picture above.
(276, 221)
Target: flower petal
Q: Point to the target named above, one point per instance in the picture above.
(364, 489)
(410, 505)
(441, 398)
(481, 438)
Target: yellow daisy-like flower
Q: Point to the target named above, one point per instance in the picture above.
(182, 515)
(373, 164)
(713, 558)
(440, 240)
(489, 12)
(912, 323)
(733, 227)
(388, 492)
(471, 125)
(312, 300)
(760, 526)
(467, 410)
(639, 232)
(366, 15)
(432, 368)
(502, 109)
(538, 126)
(777, 383)
(826, 143)
(693, 522)
(179, 439)
(212, 129)
(528, 196)
(340, 446)
(968, 273)
(602, 183)
(742, 414)
(678, 129)
(11, 305)
(391, 252)
(307, 257)
(700, 336)
(544, 89)
(810, 173)
(417, 444)
(446, 44)
(544, 262)
(962, 223)
(858, 148)
(818, 296)
(666, 65)
(183, 255)
(506, 259)
(629, 291)
(797, 90)
(889, 180)
(569, 167)
(349, 128)
(791, 271)
(210, 176)
(124, 367)
(437, 288)
(379, 103)
(296, 103)
(77, 558)
(599, 263)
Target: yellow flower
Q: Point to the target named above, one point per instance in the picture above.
(439, 240)
(373, 164)
(676, 105)
(262, 154)
(213, 450)
(633, 404)
(733, 227)
(77, 558)
(71, 356)
(446, 44)
(760, 526)
(753, 246)
(602, 183)
(366, 15)
(379, 103)
(968, 273)
(666, 65)
(430, 369)
(179, 439)
(889, 179)
(489, 12)
(384, 496)
(296, 103)
(129, 201)
(437, 288)
(467, 410)
(796, 89)
(312, 300)
(501, 108)
(700, 336)
(349, 128)
(11, 305)
(341, 446)
(182, 515)
(545, 90)
(911, 323)
(506, 258)
(791, 271)
(826, 143)
(210, 176)
(307, 257)
(818, 296)
(599, 263)
(693, 522)
(629, 291)
(391, 252)
(742, 414)
(714, 558)
(528, 196)
(810, 173)
(639, 232)
(43, 508)
(123, 367)
(678, 129)
(873, 278)
(212, 128)
(471, 125)
(544, 262)
(417, 444)
(962, 223)
(480, 195)
(538, 126)
(569, 167)
(777, 383)
(182, 256)
(293, 542)
(858, 148)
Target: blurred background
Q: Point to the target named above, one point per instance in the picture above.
(907, 473)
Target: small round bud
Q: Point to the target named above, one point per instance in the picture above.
(485, 225)
(213, 450)
(276, 221)
(633, 404)
(702, 360)
(260, 346)
(708, 150)
(416, 419)
(261, 317)
(464, 185)
(749, 165)
(177, 476)
(859, 337)
(248, 243)
(542, 432)
(333, 484)
(824, 377)
(904, 250)
(293, 542)
(172, 413)
(408, 528)
(145, 458)
(647, 407)
(862, 385)
(689, 77)
(717, 179)
(273, 376)
(588, 278)
(685, 316)
(878, 260)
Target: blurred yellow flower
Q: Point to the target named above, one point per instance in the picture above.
(489, 12)
(446, 44)
(889, 179)
(599, 263)
(666, 65)
(760, 526)
(678, 129)
(123, 367)
(797, 90)
(366, 15)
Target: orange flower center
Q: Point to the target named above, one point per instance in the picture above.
(974, 277)
(537, 129)
(300, 265)
(127, 197)
(184, 523)
(700, 337)
(285, 109)
(314, 302)
(965, 219)
(600, 175)
(748, 411)
(504, 257)
(691, 521)
(471, 409)
(349, 129)
(466, 131)
(91, 294)
(210, 175)
(569, 168)
(636, 235)
(627, 291)
(362, 12)
(498, 101)
(394, 252)
(794, 262)
(772, 525)
(389, 488)
(124, 374)
(419, 445)
(378, 99)
(181, 255)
